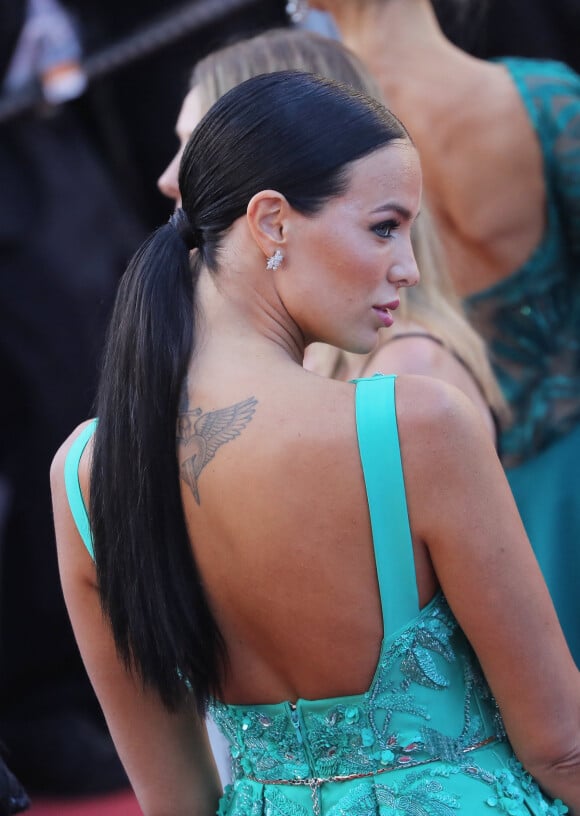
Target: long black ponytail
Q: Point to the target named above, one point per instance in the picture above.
(148, 581)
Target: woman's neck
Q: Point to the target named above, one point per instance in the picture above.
(236, 315)
(401, 43)
(395, 27)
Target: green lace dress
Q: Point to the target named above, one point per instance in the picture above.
(531, 321)
(426, 739)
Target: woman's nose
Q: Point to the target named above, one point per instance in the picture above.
(167, 181)
(405, 271)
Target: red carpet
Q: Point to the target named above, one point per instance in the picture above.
(118, 804)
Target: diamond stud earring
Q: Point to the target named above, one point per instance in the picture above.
(297, 10)
(275, 260)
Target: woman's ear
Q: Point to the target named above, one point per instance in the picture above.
(267, 215)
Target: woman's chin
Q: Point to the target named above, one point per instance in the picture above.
(363, 346)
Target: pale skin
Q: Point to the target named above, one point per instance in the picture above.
(263, 543)
(411, 356)
(481, 159)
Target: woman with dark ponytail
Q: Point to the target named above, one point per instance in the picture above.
(312, 560)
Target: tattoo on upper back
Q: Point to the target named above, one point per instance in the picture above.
(202, 434)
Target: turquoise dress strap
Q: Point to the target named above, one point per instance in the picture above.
(378, 440)
(73, 487)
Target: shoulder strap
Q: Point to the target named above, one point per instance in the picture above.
(378, 440)
(73, 488)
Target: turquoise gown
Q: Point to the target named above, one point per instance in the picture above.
(426, 739)
(531, 322)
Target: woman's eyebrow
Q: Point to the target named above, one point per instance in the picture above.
(403, 211)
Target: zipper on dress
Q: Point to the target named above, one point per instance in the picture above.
(314, 783)
(295, 717)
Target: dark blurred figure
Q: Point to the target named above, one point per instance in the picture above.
(13, 797)
(532, 28)
(77, 193)
(519, 28)
(64, 239)
(133, 110)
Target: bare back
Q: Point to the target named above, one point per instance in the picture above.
(283, 540)
(484, 176)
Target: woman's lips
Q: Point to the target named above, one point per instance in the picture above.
(383, 312)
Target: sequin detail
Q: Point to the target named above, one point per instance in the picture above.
(513, 786)
(416, 735)
(363, 733)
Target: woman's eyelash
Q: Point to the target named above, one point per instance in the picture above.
(385, 228)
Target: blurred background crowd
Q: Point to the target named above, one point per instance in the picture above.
(90, 92)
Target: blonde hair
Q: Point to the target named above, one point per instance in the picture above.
(433, 304)
(279, 49)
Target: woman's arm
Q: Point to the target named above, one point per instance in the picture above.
(461, 506)
(166, 755)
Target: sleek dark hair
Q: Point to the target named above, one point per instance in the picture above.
(289, 131)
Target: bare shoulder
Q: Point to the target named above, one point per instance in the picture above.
(422, 354)
(450, 463)
(59, 459)
(72, 552)
(439, 425)
(425, 399)
(409, 352)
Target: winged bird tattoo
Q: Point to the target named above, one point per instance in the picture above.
(202, 434)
